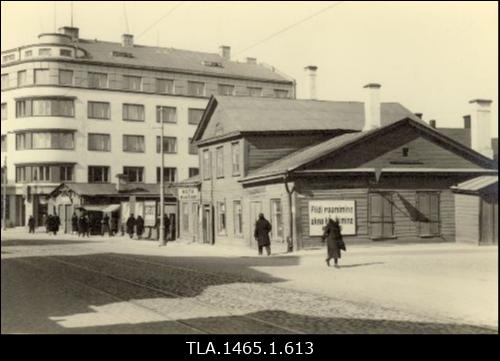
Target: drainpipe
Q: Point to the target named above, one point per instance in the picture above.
(290, 192)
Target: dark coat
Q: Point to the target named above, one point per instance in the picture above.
(83, 224)
(130, 225)
(140, 225)
(57, 223)
(50, 223)
(261, 233)
(31, 222)
(74, 223)
(333, 237)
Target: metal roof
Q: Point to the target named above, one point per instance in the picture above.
(477, 184)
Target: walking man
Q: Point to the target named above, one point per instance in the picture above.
(261, 234)
(31, 224)
(131, 225)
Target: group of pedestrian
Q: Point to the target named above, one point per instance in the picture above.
(52, 224)
(135, 225)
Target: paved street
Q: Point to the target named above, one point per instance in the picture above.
(68, 285)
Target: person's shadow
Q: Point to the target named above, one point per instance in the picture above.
(359, 264)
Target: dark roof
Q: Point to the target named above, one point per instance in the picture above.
(192, 181)
(306, 155)
(477, 184)
(460, 135)
(250, 114)
(176, 59)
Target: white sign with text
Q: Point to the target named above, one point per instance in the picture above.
(321, 211)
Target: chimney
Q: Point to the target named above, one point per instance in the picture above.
(225, 52)
(480, 124)
(419, 115)
(372, 106)
(71, 31)
(466, 121)
(127, 40)
(251, 60)
(432, 123)
(311, 81)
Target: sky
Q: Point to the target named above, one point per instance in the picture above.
(433, 57)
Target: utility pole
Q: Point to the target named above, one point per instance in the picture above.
(162, 185)
(4, 195)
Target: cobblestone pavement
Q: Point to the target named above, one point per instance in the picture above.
(67, 285)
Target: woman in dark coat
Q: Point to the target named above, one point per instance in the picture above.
(131, 225)
(334, 243)
(31, 224)
(261, 234)
(57, 224)
(139, 226)
(74, 223)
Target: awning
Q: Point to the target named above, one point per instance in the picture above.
(106, 208)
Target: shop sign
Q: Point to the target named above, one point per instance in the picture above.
(321, 211)
(188, 194)
(149, 213)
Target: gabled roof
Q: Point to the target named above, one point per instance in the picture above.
(477, 184)
(251, 114)
(461, 135)
(176, 59)
(312, 153)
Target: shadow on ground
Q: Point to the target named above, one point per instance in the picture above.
(38, 242)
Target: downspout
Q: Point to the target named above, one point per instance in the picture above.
(290, 192)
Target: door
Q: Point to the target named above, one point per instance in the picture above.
(67, 223)
(489, 220)
(207, 225)
(381, 215)
(255, 209)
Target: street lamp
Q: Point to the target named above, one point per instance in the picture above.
(4, 195)
(162, 185)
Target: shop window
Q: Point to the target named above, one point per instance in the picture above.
(65, 77)
(99, 142)
(194, 115)
(207, 167)
(164, 86)
(132, 82)
(134, 174)
(196, 88)
(219, 162)
(133, 143)
(235, 155)
(98, 110)
(22, 78)
(169, 145)
(97, 80)
(166, 114)
(238, 218)
(381, 216)
(221, 224)
(277, 219)
(169, 175)
(428, 208)
(98, 174)
(133, 112)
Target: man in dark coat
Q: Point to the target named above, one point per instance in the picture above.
(49, 224)
(130, 225)
(105, 225)
(261, 234)
(56, 224)
(31, 224)
(74, 223)
(334, 243)
(139, 226)
(114, 225)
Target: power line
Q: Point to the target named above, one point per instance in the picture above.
(160, 19)
(290, 27)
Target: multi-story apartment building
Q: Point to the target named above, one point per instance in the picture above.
(87, 111)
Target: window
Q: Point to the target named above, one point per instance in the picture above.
(193, 148)
(406, 151)
(21, 174)
(66, 173)
(40, 173)
(133, 112)
(98, 110)
(207, 170)
(221, 224)
(9, 57)
(167, 114)
(185, 217)
(44, 52)
(65, 52)
(196, 88)
(99, 142)
(5, 81)
(238, 218)
(133, 143)
(223, 89)
(169, 174)
(169, 145)
(164, 86)
(428, 207)
(4, 143)
(21, 78)
(97, 80)
(381, 215)
(219, 162)
(45, 140)
(4, 111)
(277, 219)
(65, 77)
(134, 174)
(28, 53)
(235, 155)
(98, 174)
(41, 76)
(193, 172)
(194, 115)
(254, 92)
(132, 82)
(280, 93)
(45, 107)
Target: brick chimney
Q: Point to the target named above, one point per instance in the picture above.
(127, 40)
(480, 125)
(225, 52)
(311, 81)
(372, 106)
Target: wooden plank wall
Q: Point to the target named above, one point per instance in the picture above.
(467, 218)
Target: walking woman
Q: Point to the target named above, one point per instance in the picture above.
(334, 242)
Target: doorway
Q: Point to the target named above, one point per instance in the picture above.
(207, 225)
(489, 220)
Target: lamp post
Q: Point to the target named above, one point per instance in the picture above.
(4, 195)
(162, 185)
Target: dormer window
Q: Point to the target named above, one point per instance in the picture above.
(122, 54)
